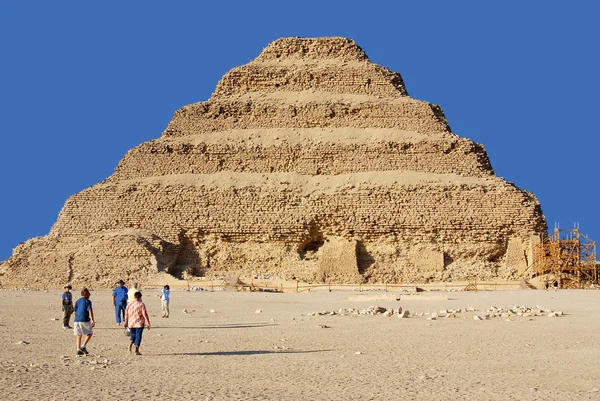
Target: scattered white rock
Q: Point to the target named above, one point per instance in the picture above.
(492, 312)
(185, 310)
(258, 311)
(213, 311)
(357, 353)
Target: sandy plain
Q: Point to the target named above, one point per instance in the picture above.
(235, 353)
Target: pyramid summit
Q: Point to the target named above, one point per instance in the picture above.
(309, 162)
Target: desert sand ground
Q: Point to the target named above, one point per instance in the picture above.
(284, 354)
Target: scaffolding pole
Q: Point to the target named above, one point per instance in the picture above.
(568, 257)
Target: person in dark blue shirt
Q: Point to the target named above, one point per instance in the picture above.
(120, 301)
(84, 321)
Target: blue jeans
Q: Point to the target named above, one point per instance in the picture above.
(120, 311)
(136, 335)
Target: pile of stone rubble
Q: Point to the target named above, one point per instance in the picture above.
(491, 312)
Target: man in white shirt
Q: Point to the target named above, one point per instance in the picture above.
(132, 290)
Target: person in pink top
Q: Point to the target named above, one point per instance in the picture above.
(136, 319)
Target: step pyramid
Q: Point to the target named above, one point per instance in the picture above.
(309, 162)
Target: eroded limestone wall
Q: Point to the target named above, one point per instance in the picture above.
(245, 229)
(329, 48)
(422, 211)
(356, 78)
(164, 157)
(258, 113)
(97, 259)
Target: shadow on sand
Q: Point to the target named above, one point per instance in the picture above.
(240, 353)
(221, 326)
(215, 326)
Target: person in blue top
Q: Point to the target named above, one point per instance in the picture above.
(84, 321)
(165, 297)
(120, 301)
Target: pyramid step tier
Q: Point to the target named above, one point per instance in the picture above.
(247, 206)
(304, 151)
(351, 78)
(335, 47)
(308, 110)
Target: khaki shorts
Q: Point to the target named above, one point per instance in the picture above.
(82, 328)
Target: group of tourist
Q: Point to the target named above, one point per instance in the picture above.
(129, 310)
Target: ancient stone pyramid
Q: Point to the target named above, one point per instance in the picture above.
(309, 162)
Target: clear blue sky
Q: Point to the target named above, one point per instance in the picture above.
(83, 82)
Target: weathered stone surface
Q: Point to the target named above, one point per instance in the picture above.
(516, 256)
(309, 162)
(337, 262)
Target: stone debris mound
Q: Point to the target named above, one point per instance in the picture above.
(309, 162)
(491, 312)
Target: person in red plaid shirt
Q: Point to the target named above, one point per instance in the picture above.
(136, 318)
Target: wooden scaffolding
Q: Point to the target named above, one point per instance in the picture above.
(568, 257)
